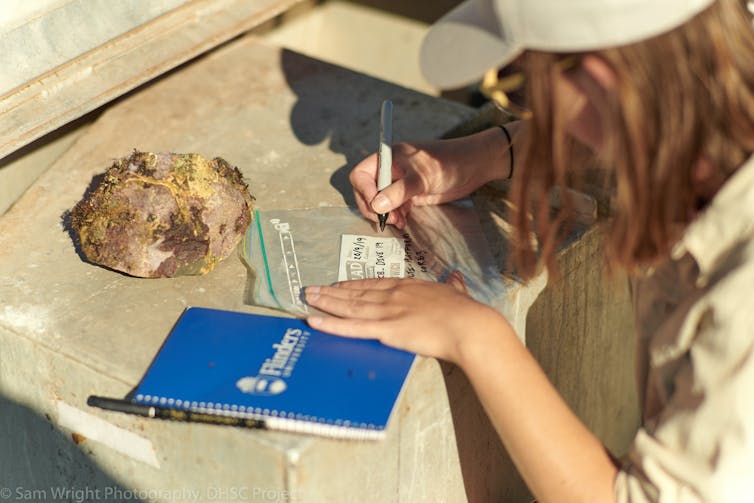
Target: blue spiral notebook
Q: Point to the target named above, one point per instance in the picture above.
(278, 370)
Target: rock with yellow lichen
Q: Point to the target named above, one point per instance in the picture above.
(163, 215)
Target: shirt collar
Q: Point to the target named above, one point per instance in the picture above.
(727, 220)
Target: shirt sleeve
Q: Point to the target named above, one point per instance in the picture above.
(700, 447)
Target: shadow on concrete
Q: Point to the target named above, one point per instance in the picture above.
(319, 115)
(342, 107)
(38, 462)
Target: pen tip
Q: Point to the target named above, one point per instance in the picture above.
(382, 219)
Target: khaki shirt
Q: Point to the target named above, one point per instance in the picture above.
(696, 334)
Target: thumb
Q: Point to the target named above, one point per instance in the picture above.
(396, 194)
(455, 279)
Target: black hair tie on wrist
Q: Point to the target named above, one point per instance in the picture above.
(510, 148)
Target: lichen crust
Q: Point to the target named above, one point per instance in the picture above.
(163, 215)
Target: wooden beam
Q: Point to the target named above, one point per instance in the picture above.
(102, 74)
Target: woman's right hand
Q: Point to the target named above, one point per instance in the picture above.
(432, 172)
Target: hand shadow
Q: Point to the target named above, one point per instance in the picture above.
(342, 107)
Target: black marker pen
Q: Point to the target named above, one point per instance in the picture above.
(118, 405)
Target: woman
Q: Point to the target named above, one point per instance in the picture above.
(662, 93)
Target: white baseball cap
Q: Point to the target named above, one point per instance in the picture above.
(481, 34)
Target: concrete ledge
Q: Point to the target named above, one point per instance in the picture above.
(73, 88)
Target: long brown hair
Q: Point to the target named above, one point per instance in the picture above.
(679, 97)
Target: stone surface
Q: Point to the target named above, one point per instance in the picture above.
(163, 215)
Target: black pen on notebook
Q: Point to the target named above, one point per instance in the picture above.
(138, 409)
(385, 154)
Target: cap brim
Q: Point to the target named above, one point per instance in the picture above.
(464, 44)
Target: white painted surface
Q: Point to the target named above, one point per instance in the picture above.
(93, 428)
(37, 36)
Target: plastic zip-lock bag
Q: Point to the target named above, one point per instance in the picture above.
(287, 250)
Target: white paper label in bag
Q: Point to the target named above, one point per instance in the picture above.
(363, 257)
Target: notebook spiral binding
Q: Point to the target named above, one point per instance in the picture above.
(273, 420)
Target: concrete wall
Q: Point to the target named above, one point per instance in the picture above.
(581, 331)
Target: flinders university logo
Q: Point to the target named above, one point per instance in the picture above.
(270, 379)
(261, 385)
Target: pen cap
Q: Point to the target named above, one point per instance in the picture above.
(117, 405)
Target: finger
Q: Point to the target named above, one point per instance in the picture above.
(356, 306)
(457, 281)
(347, 292)
(364, 208)
(363, 177)
(344, 293)
(370, 283)
(396, 217)
(401, 215)
(364, 191)
(357, 329)
(397, 194)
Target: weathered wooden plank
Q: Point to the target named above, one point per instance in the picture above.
(39, 35)
(100, 75)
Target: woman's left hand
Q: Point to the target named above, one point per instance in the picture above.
(431, 319)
